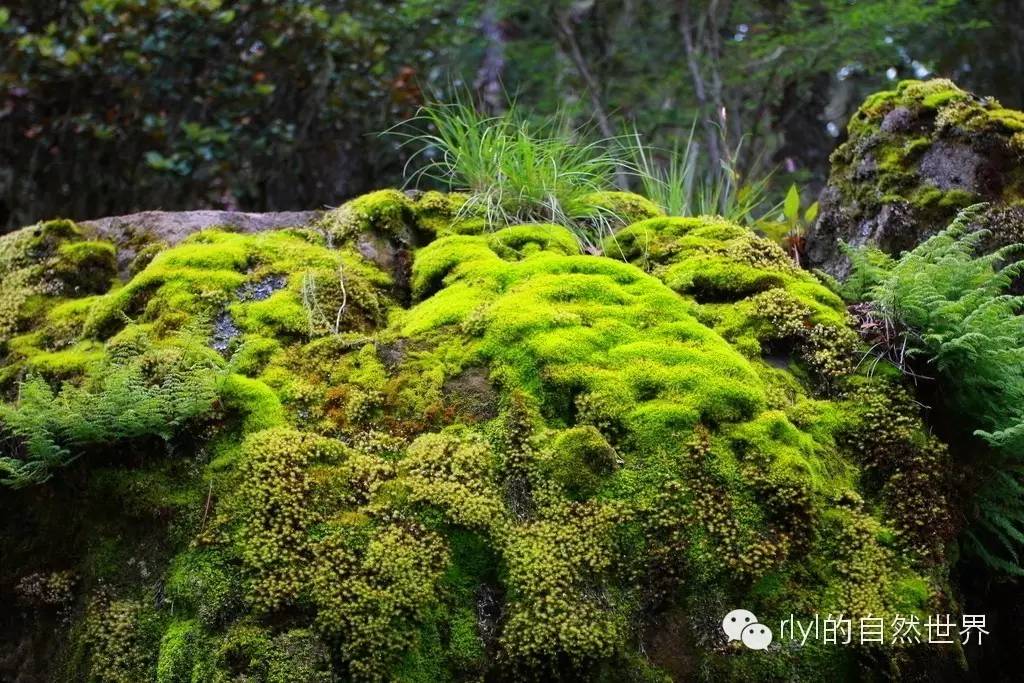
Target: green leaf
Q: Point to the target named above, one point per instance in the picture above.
(791, 206)
(811, 213)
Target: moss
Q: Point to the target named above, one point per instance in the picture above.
(624, 207)
(374, 590)
(253, 354)
(177, 653)
(144, 256)
(86, 267)
(116, 639)
(550, 562)
(601, 336)
(749, 289)
(915, 155)
(440, 214)
(465, 649)
(281, 315)
(519, 241)
(579, 458)
(205, 584)
(384, 211)
(538, 459)
(258, 404)
(43, 261)
(273, 543)
(214, 270)
(66, 364)
(455, 472)
(250, 652)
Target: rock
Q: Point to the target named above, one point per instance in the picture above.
(516, 464)
(471, 395)
(133, 232)
(951, 166)
(915, 156)
(173, 226)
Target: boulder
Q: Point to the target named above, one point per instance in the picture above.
(915, 156)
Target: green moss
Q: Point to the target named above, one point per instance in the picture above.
(600, 337)
(86, 267)
(117, 641)
(204, 583)
(250, 652)
(749, 290)
(441, 214)
(625, 207)
(66, 364)
(549, 564)
(177, 653)
(455, 472)
(46, 260)
(253, 354)
(281, 315)
(543, 455)
(258, 404)
(273, 542)
(516, 242)
(373, 591)
(384, 211)
(579, 458)
(214, 270)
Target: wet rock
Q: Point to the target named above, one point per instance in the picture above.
(258, 291)
(898, 120)
(488, 614)
(224, 328)
(949, 165)
(224, 332)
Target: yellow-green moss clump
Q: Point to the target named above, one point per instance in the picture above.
(748, 288)
(915, 155)
(51, 259)
(428, 449)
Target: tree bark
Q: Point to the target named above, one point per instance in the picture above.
(488, 77)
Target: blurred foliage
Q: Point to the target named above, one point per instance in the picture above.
(114, 105)
(111, 106)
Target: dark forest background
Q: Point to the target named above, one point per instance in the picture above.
(115, 106)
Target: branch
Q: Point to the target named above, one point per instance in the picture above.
(686, 30)
(568, 36)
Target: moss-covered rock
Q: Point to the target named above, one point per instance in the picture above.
(915, 155)
(519, 464)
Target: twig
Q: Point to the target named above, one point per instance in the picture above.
(206, 512)
(344, 298)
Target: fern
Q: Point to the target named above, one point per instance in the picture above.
(148, 395)
(868, 267)
(952, 300)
